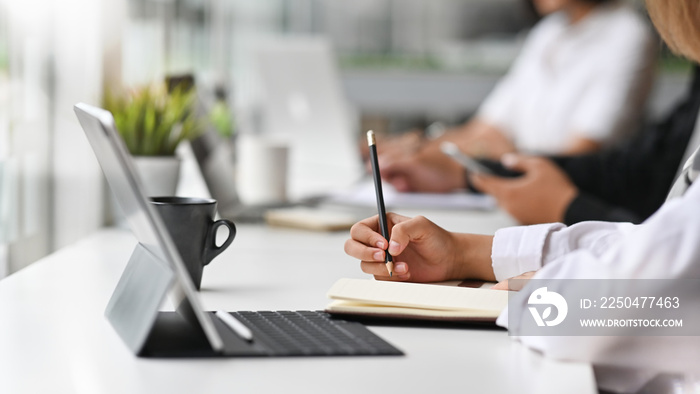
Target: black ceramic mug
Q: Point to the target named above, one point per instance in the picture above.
(191, 224)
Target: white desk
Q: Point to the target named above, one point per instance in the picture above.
(54, 338)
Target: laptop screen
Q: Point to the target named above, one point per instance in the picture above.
(303, 103)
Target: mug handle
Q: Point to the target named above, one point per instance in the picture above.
(210, 248)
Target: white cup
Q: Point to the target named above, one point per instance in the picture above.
(261, 170)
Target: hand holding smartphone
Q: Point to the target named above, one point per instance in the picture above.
(474, 166)
(452, 150)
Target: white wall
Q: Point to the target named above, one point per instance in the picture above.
(4, 139)
(26, 143)
(77, 186)
(51, 187)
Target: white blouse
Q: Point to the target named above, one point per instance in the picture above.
(666, 246)
(590, 79)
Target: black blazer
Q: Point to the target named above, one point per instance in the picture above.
(629, 182)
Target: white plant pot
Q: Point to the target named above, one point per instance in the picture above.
(159, 177)
(159, 174)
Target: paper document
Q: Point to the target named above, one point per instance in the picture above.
(363, 195)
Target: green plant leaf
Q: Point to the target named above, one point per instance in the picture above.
(151, 121)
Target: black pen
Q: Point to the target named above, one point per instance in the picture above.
(383, 227)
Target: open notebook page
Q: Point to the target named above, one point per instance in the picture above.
(421, 296)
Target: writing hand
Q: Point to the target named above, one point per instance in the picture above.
(422, 251)
(428, 171)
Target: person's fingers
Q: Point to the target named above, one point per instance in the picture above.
(368, 167)
(387, 160)
(394, 218)
(392, 166)
(522, 163)
(366, 231)
(400, 183)
(395, 160)
(502, 285)
(380, 271)
(374, 268)
(406, 231)
(515, 283)
(492, 185)
(361, 251)
(510, 160)
(366, 243)
(401, 268)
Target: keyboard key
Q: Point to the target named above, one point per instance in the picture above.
(296, 333)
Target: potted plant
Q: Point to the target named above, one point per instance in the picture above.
(153, 122)
(220, 115)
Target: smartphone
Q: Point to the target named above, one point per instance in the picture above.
(487, 167)
(452, 150)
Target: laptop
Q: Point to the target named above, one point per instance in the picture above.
(216, 163)
(303, 105)
(303, 102)
(155, 270)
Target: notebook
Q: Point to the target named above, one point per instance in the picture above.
(313, 219)
(415, 301)
(155, 270)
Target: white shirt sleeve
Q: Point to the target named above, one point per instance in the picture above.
(517, 250)
(666, 246)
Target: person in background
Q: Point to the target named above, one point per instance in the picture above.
(623, 183)
(579, 83)
(663, 247)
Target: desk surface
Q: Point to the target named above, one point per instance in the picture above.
(54, 338)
